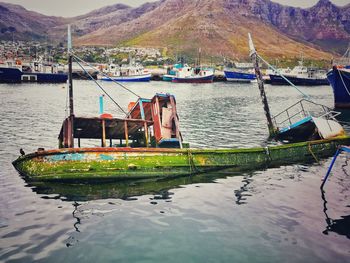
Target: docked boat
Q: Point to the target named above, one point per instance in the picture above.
(171, 72)
(147, 143)
(339, 78)
(15, 71)
(278, 71)
(241, 72)
(125, 73)
(300, 75)
(194, 75)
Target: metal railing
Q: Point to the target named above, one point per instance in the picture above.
(301, 110)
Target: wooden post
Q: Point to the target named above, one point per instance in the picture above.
(174, 113)
(126, 133)
(146, 132)
(142, 111)
(103, 133)
(68, 138)
(255, 60)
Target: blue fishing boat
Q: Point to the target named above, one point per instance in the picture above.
(237, 76)
(339, 78)
(241, 72)
(17, 72)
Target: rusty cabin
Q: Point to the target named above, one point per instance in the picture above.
(149, 123)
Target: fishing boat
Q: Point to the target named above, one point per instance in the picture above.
(193, 75)
(279, 71)
(300, 75)
(147, 143)
(126, 73)
(339, 78)
(15, 71)
(241, 72)
(171, 72)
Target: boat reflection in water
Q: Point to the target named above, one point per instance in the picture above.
(125, 189)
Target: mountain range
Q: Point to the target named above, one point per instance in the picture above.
(219, 27)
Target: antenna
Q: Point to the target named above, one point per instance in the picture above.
(69, 40)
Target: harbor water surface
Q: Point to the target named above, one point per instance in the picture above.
(274, 215)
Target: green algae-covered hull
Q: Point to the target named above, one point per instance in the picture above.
(136, 163)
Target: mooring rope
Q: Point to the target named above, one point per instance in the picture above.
(105, 75)
(101, 87)
(267, 151)
(312, 153)
(193, 168)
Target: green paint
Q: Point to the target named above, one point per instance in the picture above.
(174, 163)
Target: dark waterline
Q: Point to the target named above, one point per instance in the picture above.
(277, 215)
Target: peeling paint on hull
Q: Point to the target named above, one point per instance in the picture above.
(136, 163)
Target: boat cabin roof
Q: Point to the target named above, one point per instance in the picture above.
(115, 128)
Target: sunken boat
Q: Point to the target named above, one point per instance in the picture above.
(147, 143)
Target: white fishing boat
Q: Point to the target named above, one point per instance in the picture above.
(125, 73)
(194, 75)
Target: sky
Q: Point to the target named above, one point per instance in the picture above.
(69, 8)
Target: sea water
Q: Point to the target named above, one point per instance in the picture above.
(273, 215)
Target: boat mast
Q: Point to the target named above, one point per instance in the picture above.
(254, 56)
(70, 122)
(70, 78)
(199, 57)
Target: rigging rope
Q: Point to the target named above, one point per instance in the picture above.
(100, 86)
(105, 75)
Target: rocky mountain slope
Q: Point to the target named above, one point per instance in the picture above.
(219, 27)
(16, 21)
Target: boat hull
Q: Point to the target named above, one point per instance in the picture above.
(340, 82)
(168, 77)
(137, 78)
(235, 76)
(204, 79)
(278, 80)
(136, 163)
(45, 77)
(10, 75)
(14, 75)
